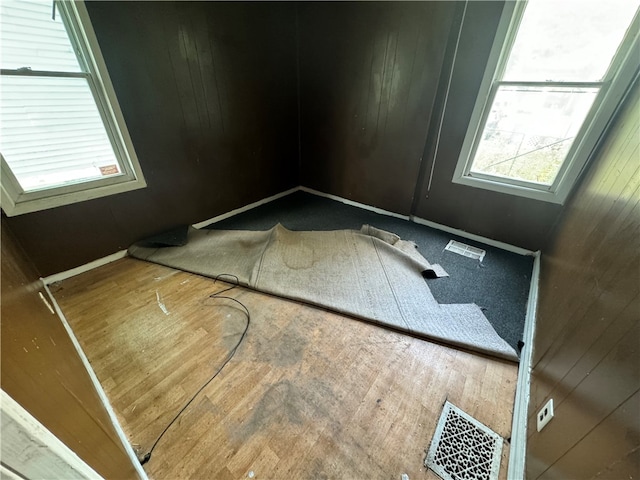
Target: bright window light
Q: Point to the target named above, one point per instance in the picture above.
(561, 70)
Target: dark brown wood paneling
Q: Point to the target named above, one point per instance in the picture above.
(587, 345)
(368, 77)
(41, 370)
(630, 463)
(209, 94)
(515, 220)
(618, 432)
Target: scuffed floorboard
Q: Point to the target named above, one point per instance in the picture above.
(307, 394)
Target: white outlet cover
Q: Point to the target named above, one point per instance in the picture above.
(545, 414)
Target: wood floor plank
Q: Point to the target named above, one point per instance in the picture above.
(308, 393)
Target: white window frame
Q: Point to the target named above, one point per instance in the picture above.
(15, 200)
(613, 89)
(30, 450)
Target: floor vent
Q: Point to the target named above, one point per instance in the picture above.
(465, 250)
(463, 448)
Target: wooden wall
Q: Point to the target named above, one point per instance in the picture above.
(587, 343)
(209, 94)
(368, 77)
(41, 370)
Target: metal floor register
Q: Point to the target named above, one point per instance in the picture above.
(463, 448)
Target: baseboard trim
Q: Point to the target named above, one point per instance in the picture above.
(352, 203)
(421, 221)
(246, 208)
(57, 277)
(472, 236)
(518, 452)
(96, 383)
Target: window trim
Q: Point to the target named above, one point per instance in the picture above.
(14, 200)
(622, 74)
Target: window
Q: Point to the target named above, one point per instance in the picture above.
(555, 77)
(62, 135)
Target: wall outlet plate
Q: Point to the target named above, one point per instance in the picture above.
(545, 414)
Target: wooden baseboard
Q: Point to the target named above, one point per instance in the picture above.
(57, 277)
(461, 233)
(517, 456)
(246, 208)
(428, 223)
(352, 203)
(96, 383)
(472, 236)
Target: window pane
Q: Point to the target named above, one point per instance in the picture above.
(51, 133)
(568, 40)
(530, 130)
(30, 38)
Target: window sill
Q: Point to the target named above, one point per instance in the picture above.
(26, 205)
(520, 191)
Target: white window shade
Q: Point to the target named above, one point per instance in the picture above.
(62, 135)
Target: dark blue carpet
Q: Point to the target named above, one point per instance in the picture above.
(499, 285)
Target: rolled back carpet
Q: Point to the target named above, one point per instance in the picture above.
(369, 274)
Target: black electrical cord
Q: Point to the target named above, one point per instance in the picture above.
(216, 295)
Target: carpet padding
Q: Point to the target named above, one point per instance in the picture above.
(370, 274)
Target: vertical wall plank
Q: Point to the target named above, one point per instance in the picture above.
(587, 347)
(369, 73)
(41, 370)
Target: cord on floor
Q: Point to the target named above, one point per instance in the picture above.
(146, 457)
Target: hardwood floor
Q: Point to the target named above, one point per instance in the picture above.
(308, 393)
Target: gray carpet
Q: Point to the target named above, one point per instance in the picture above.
(369, 274)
